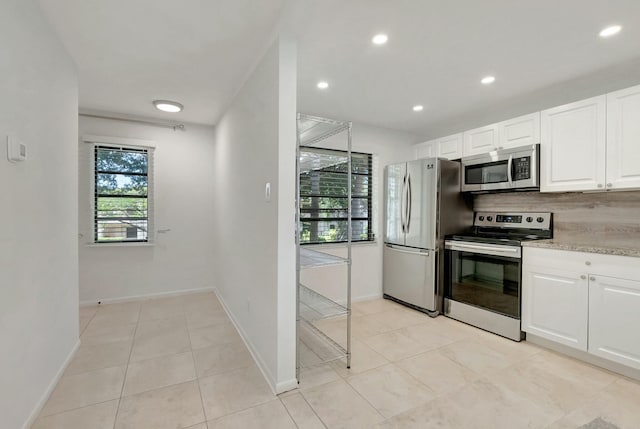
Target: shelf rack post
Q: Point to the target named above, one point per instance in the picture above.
(310, 131)
(349, 237)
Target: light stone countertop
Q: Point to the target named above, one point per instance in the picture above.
(596, 243)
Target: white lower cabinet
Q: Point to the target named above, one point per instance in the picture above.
(614, 319)
(555, 305)
(587, 301)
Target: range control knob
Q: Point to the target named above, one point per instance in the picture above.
(480, 218)
(540, 219)
(489, 218)
(529, 219)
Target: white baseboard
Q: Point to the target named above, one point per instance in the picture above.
(52, 385)
(366, 297)
(271, 381)
(146, 296)
(585, 357)
(285, 386)
(360, 298)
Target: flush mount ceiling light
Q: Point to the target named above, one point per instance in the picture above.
(380, 39)
(168, 106)
(610, 31)
(418, 108)
(323, 85)
(487, 80)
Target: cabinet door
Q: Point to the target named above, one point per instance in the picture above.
(555, 305)
(427, 149)
(614, 319)
(450, 147)
(481, 140)
(573, 146)
(521, 131)
(623, 139)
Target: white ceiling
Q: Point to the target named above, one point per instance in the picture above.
(542, 53)
(131, 52)
(438, 51)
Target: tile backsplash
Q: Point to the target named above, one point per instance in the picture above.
(607, 214)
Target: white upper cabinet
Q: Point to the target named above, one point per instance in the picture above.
(573, 146)
(623, 139)
(481, 140)
(520, 131)
(427, 149)
(450, 147)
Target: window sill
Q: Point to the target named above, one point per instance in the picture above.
(105, 245)
(340, 245)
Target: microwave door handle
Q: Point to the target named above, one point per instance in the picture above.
(510, 170)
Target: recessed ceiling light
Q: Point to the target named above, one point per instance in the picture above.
(418, 108)
(488, 80)
(380, 39)
(323, 85)
(610, 31)
(168, 106)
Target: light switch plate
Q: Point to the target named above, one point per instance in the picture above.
(16, 150)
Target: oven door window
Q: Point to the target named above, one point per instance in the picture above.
(486, 281)
(491, 172)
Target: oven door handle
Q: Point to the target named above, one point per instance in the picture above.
(508, 251)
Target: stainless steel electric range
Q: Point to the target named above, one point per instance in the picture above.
(484, 270)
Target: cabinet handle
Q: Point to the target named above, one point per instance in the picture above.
(593, 279)
(599, 185)
(583, 277)
(587, 263)
(609, 185)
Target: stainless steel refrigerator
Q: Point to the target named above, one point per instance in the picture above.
(423, 204)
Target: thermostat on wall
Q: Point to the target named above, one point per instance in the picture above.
(16, 150)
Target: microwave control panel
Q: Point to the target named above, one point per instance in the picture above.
(522, 168)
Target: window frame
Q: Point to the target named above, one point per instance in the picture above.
(123, 144)
(371, 195)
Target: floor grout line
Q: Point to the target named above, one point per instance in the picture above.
(314, 411)
(124, 380)
(195, 369)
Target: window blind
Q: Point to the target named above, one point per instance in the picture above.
(324, 196)
(121, 194)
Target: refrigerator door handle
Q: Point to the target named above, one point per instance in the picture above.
(408, 202)
(404, 185)
(411, 252)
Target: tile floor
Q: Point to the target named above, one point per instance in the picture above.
(179, 363)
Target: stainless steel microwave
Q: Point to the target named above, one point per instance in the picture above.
(502, 170)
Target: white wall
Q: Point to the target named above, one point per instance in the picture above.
(255, 275)
(38, 212)
(389, 147)
(181, 259)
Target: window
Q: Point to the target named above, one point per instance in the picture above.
(121, 194)
(323, 196)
